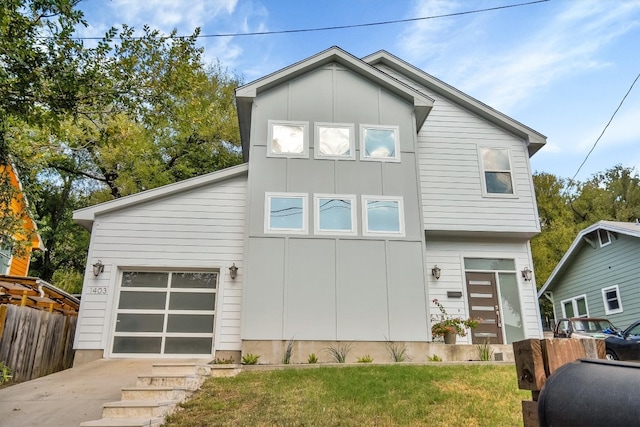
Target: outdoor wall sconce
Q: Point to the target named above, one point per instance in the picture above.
(98, 268)
(527, 274)
(233, 271)
(435, 272)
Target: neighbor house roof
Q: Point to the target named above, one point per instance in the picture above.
(421, 102)
(627, 228)
(535, 141)
(86, 216)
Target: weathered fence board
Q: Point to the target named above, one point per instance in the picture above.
(536, 360)
(34, 343)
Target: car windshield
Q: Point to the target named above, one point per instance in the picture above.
(592, 326)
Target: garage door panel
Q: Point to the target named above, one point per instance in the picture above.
(127, 322)
(192, 301)
(167, 313)
(189, 323)
(188, 345)
(144, 345)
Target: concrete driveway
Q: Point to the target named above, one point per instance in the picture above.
(72, 396)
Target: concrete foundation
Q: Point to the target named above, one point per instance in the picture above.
(229, 354)
(85, 356)
(272, 352)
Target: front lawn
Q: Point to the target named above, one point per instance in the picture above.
(390, 395)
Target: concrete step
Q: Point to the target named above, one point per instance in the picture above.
(155, 393)
(188, 382)
(181, 369)
(225, 370)
(124, 422)
(138, 408)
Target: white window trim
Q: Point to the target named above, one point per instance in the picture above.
(316, 210)
(352, 141)
(305, 142)
(366, 158)
(575, 305)
(604, 300)
(267, 213)
(485, 193)
(603, 244)
(365, 219)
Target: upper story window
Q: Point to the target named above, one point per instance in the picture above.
(334, 141)
(496, 165)
(604, 237)
(288, 139)
(286, 213)
(380, 143)
(611, 299)
(335, 214)
(382, 215)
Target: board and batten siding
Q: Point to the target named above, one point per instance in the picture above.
(593, 269)
(449, 254)
(334, 287)
(202, 228)
(451, 174)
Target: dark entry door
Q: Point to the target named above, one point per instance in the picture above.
(483, 304)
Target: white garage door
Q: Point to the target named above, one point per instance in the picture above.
(165, 313)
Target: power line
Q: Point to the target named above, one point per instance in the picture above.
(343, 27)
(605, 129)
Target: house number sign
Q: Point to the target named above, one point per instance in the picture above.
(98, 290)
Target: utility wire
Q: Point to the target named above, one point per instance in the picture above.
(342, 27)
(604, 130)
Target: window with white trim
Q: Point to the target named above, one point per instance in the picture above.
(604, 237)
(611, 300)
(6, 252)
(496, 166)
(382, 215)
(335, 214)
(575, 307)
(380, 143)
(286, 213)
(334, 141)
(288, 139)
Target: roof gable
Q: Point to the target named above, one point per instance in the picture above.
(627, 228)
(86, 216)
(535, 141)
(421, 102)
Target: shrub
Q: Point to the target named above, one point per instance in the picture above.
(339, 352)
(312, 358)
(365, 359)
(250, 359)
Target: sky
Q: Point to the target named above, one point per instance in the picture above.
(561, 67)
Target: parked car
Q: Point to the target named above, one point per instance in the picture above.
(584, 327)
(625, 345)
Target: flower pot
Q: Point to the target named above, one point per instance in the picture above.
(450, 337)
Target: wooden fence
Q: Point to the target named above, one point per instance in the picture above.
(537, 359)
(34, 343)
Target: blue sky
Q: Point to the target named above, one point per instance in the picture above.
(560, 67)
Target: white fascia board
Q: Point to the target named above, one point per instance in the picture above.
(86, 216)
(420, 101)
(535, 140)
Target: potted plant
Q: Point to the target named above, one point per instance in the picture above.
(449, 327)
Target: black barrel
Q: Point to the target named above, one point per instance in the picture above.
(591, 392)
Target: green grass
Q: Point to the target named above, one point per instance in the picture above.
(395, 395)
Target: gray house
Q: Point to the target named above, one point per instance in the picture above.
(599, 275)
(369, 189)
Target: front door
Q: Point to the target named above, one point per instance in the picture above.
(483, 304)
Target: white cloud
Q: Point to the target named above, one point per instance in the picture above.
(165, 15)
(565, 44)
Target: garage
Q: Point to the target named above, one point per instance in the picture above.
(165, 313)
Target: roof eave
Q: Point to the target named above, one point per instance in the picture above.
(534, 140)
(86, 216)
(245, 94)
